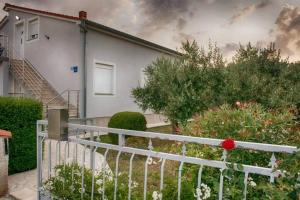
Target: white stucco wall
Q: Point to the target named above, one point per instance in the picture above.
(53, 58)
(129, 58)
(4, 82)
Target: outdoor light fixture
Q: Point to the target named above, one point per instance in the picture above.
(17, 17)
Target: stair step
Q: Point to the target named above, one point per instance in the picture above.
(38, 87)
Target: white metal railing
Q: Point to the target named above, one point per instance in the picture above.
(76, 130)
(70, 99)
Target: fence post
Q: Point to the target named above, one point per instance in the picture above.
(39, 157)
(121, 140)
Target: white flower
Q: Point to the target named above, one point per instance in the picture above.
(149, 161)
(203, 192)
(156, 195)
(100, 190)
(134, 184)
(99, 182)
(252, 183)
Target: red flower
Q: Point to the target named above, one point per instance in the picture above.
(228, 144)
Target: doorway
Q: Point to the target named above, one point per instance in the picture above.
(18, 48)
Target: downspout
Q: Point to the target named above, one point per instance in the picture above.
(84, 71)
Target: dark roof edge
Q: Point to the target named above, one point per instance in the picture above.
(8, 6)
(131, 38)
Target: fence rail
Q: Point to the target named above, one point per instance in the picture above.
(78, 134)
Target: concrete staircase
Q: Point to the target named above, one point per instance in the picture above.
(38, 87)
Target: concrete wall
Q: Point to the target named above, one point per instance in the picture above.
(53, 57)
(129, 59)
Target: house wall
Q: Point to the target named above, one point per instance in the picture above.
(129, 59)
(53, 58)
(4, 82)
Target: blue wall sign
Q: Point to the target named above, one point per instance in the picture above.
(74, 69)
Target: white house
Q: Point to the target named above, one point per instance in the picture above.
(69, 60)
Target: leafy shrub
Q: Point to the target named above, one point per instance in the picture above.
(67, 182)
(19, 115)
(127, 120)
(251, 122)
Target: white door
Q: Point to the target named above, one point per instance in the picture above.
(19, 40)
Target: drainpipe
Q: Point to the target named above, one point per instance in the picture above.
(84, 71)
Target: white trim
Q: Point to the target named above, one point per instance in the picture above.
(114, 77)
(27, 28)
(22, 21)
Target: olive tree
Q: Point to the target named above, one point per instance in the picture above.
(181, 87)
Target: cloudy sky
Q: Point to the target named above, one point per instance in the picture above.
(168, 22)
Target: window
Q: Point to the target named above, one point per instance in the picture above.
(104, 79)
(33, 29)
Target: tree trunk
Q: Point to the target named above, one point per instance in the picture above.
(175, 127)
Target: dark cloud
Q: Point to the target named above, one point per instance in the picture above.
(159, 13)
(181, 23)
(287, 30)
(246, 11)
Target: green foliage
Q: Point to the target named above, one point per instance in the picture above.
(126, 120)
(19, 115)
(179, 88)
(66, 184)
(251, 122)
(262, 76)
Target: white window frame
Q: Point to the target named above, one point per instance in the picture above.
(28, 39)
(113, 81)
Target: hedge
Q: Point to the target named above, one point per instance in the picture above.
(19, 115)
(127, 120)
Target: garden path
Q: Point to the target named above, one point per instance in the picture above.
(23, 185)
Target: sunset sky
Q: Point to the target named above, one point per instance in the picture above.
(168, 22)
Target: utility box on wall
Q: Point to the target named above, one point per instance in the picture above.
(58, 124)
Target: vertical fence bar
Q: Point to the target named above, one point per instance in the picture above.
(199, 176)
(162, 168)
(49, 159)
(245, 185)
(104, 173)
(146, 177)
(82, 172)
(179, 179)
(93, 174)
(116, 175)
(130, 177)
(223, 158)
(39, 152)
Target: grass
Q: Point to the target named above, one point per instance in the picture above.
(171, 167)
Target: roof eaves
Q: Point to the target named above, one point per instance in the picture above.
(7, 7)
(131, 38)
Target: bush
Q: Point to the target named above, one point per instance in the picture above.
(126, 120)
(19, 115)
(251, 122)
